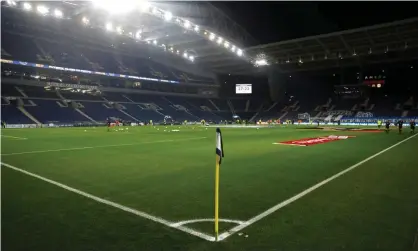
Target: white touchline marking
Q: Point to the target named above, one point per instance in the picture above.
(13, 137)
(116, 205)
(273, 209)
(104, 146)
(181, 223)
(287, 144)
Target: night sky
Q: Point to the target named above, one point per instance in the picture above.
(276, 21)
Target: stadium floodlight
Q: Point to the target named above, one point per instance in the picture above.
(185, 55)
(191, 58)
(220, 39)
(178, 52)
(119, 30)
(11, 3)
(233, 48)
(144, 6)
(154, 10)
(116, 7)
(85, 20)
(138, 34)
(42, 10)
(239, 52)
(186, 24)
(226, 44)
(212, 36)
(168, 16)
(109, 26)
(196, 28)
(154, 42)
(261, 62)
(27, 6)
(58, 13)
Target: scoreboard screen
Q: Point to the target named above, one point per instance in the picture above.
(243, 89)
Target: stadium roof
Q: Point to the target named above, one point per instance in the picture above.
(372, 44)
(199, 32)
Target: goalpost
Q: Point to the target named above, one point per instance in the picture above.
(304, 116)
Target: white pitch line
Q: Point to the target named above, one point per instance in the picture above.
(287, 144)
(273, 209)
(115, 205)
(13, 137)
(104, 146)
(181, 223)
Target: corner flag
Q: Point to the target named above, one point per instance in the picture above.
(219, 156)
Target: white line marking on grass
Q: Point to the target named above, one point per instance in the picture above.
(287, 144)
(115, 205)
(103, 146)
(181, 223)
(273, 209)
(12, 137)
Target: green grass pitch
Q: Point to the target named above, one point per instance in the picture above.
(149, 188)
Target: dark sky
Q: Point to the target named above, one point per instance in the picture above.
(276, 21)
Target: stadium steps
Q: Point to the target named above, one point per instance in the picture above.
(129, 115)
(231, 107)
(405, 113)
(86, 116)
(283, 115)
(271, 107)
(21, 92)
(27, 114)
(214, 105)
(130, 100)
(60, 95)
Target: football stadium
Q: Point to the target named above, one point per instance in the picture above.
(134, 125)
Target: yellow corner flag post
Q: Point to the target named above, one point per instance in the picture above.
(219, 156)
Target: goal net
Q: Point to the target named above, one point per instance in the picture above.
(304, 116)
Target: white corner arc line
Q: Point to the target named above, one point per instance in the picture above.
(13, 137)
(103, 146)
(115, 205)
(282, 204)
(181, 223)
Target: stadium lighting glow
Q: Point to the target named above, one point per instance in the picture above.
(138, 34)
(119, 30)
(226, 44)
(155, 10)
(116, 7)
(239, 52)
(219, 40)
(261, 62)
(42, 9)
(144, 6)
(58, 13)
(178, 52)
(212, 36)
(85, 20)
(196, 28)
(11, 3)
(233, 48)
(191, 58)
(27, 6)
(168, 16)
(109, 26)
(154, 42)
(185, 55)
(187, 24)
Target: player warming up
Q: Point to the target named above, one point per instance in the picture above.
(400, 125)
(412, 125)
(387, 126)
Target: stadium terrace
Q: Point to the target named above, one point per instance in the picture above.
(112, 111)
